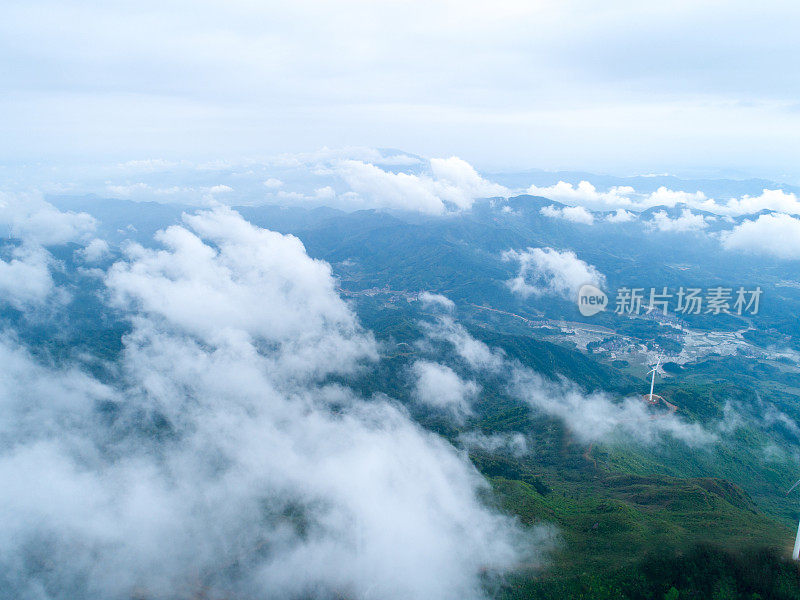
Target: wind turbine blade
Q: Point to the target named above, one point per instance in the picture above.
(796, 551)
(794, 486)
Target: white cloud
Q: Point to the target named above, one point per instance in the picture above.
(221, 463)
(687, 221)
(506, 209)
(454, 185)
(95, 251)
(348, 178)
(625, 197)
(510, 443)
(378, 188)
(351, 178)
(37, 222)
(620, 197)
(666, 197)
(324, 192)
(597, 417)
(457, 182)
(475, 353)
(576, 214)
(585, 194)
(548, 271)
(621, 216)
(430, 300)
(590, 417)
(25, 275)
(285, 299)
(143, 191)
(772, 234)
(776, 200)
(25, 278)
(439, 387)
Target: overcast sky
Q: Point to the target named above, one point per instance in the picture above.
(691, 88)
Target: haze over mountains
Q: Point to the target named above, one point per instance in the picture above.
(750, 215)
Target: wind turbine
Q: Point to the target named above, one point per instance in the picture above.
(653, 380)
(796, 551)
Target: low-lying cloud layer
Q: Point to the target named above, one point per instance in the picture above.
(576, 214)
(546, 271)
(357, 178)
(440, 388)
(772, 234)
(218, 461)
(26, 279)
(514, 444)
(686, 221)
(595, 417)
(453, 184)
(587, 195)
(29, 217)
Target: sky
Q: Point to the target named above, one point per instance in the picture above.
(703, 88)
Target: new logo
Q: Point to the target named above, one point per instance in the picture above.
(591, 300)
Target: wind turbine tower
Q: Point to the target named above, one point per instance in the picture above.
(650, 397)
(796, 551)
